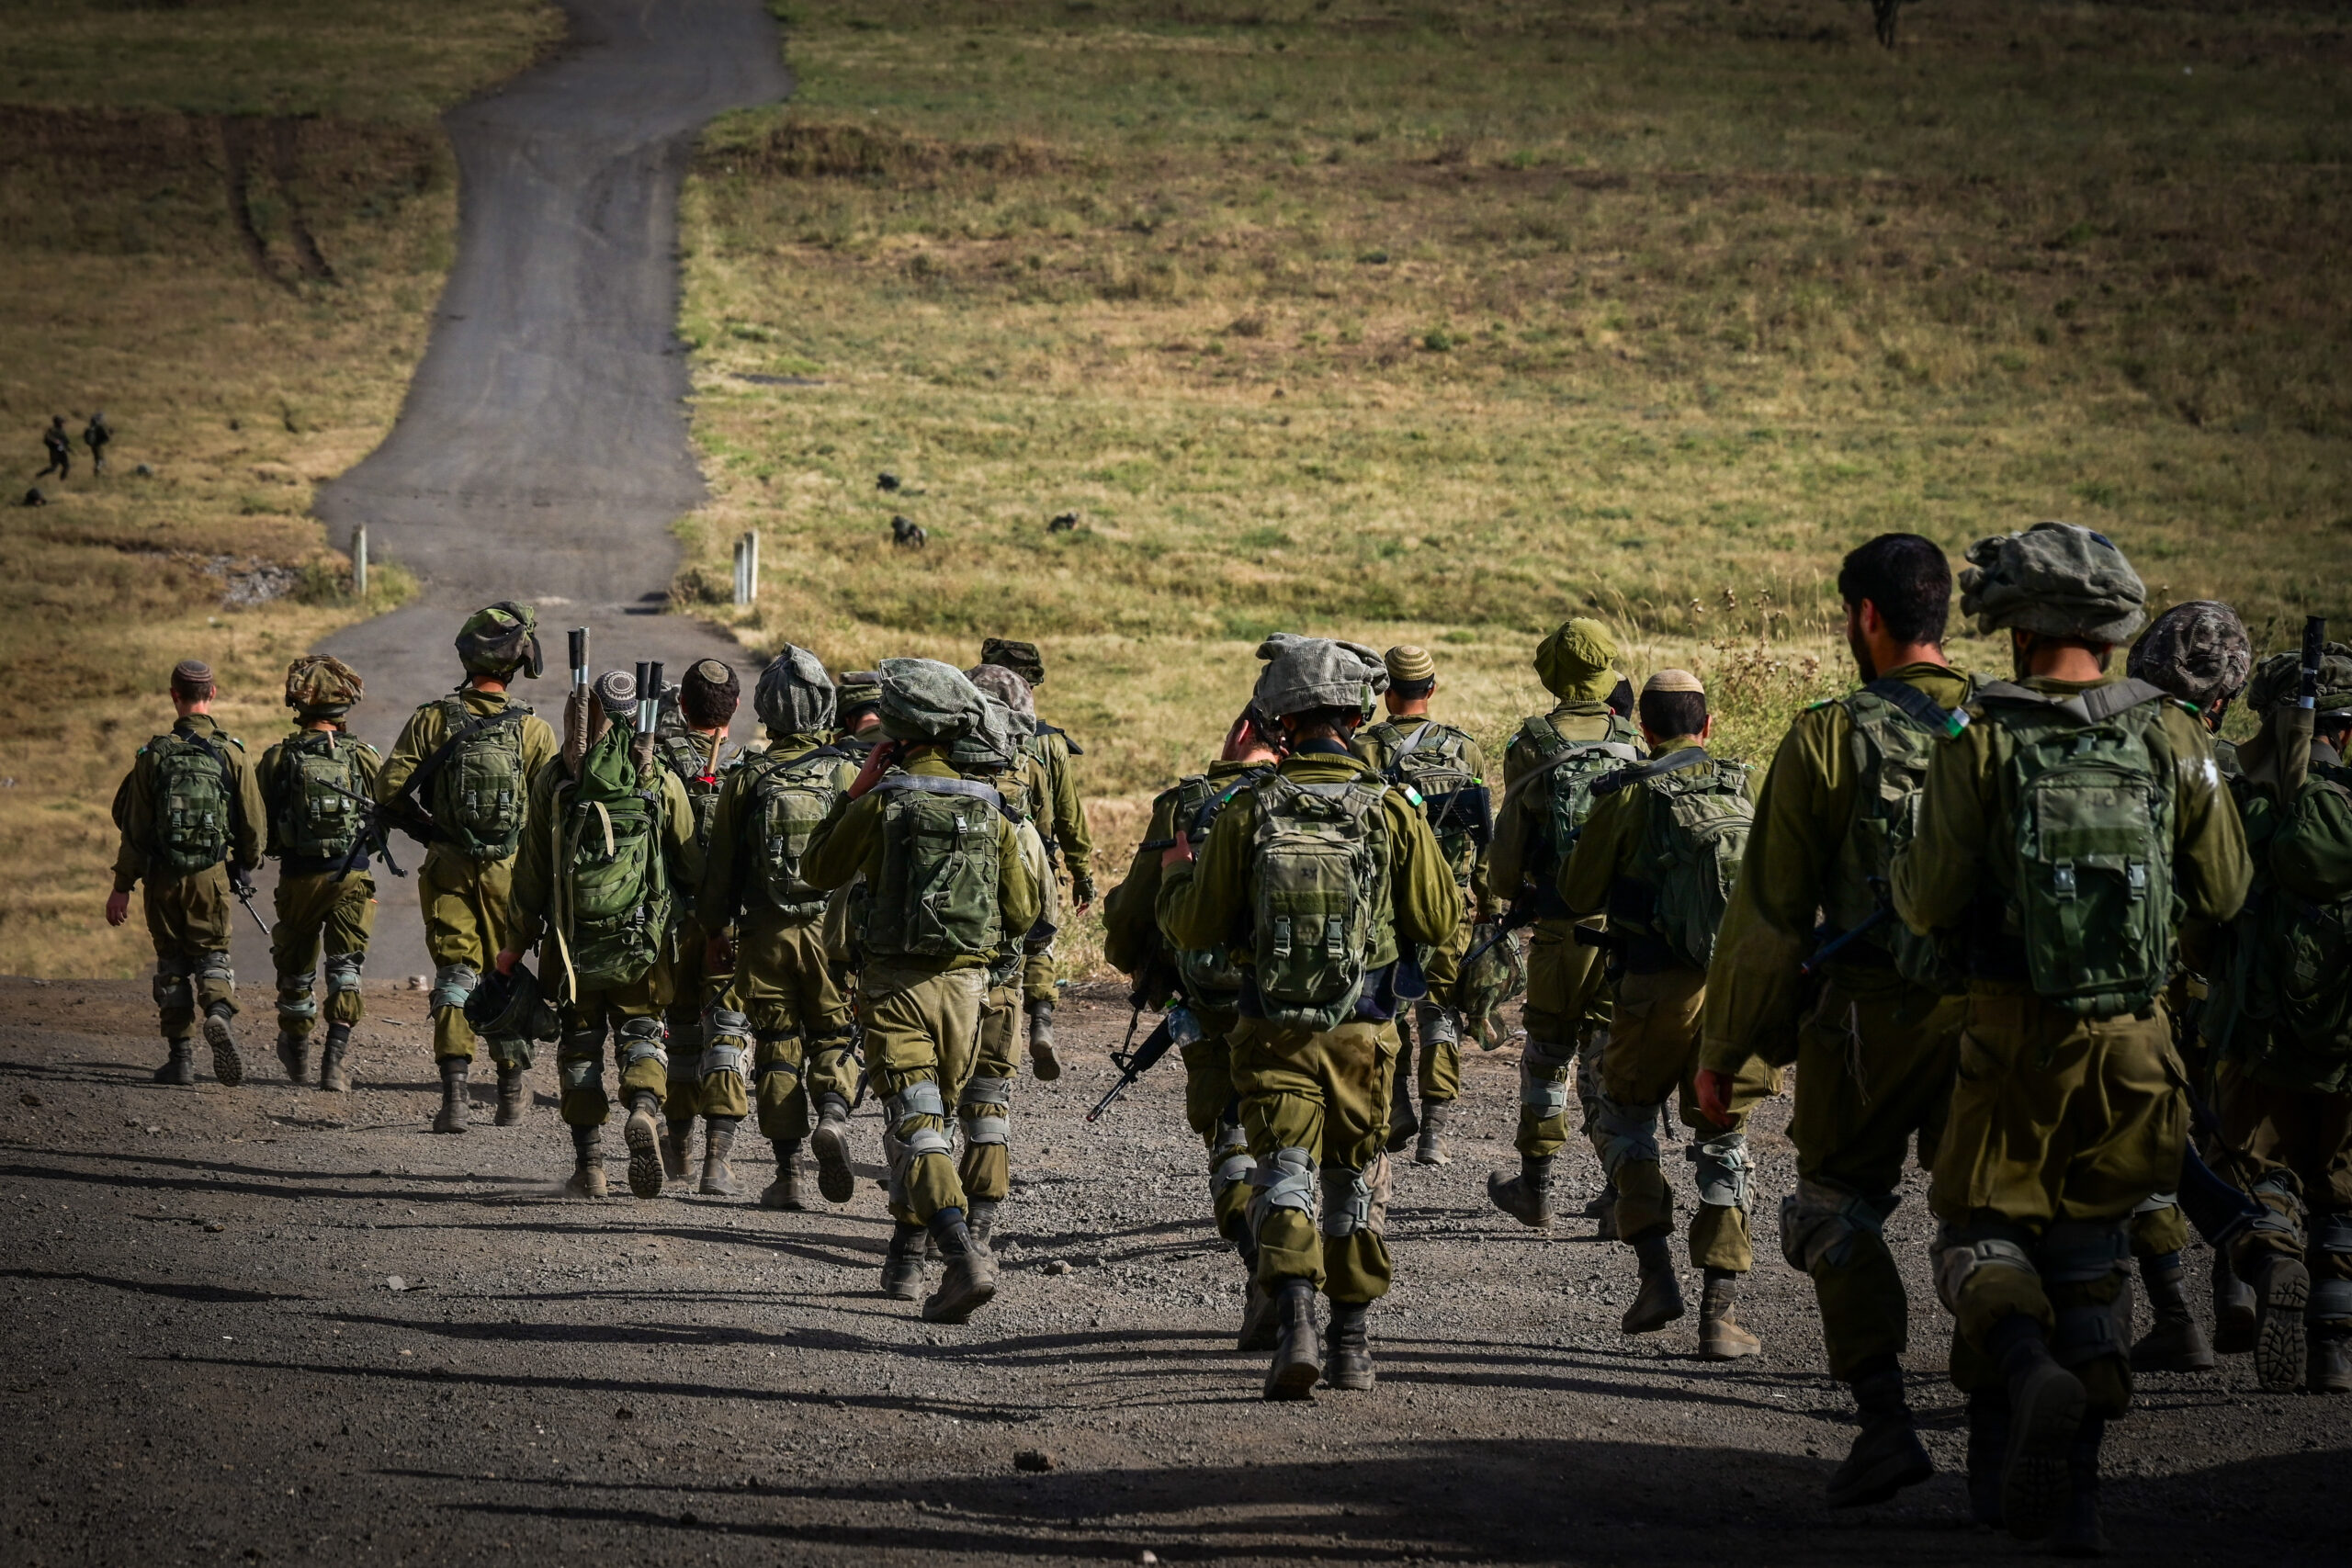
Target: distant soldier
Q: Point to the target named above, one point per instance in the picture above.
(95, 435)
(59, 447)
(191, 816)
(316, 783)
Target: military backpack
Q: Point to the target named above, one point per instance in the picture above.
(936, 896)
(613, 894)
(1562, 783)
(480, 791)
(195, 804)
(788, 799)
(1896, 729)
(1318, 897)
(319, 789)
(1210, 974)
(1432, 763)
(694, 759)
(2289, 970)
(1699, 819)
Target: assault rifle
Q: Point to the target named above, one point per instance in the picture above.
(2295, 748)
(1177, 1028)
(375, 829)
(1844, 939)
(1521, 913)
(241, 884)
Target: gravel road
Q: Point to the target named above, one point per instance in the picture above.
(210, 1361)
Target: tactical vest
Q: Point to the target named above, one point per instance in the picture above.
(1559, 790)
(1432, 762)
(613, 894)
(937, 894)
(195, 803)
(1699, 814)
(1210, 974)
(1896, 729)
(787, 800)
(1320, 918)
(319, 790)
(481, 794)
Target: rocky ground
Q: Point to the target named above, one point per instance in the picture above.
(268, 1323)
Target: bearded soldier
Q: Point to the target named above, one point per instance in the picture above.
(458, 781)
(316, 783)
(1874, 1050)
(2057, 835)
(785, 998)
(192, 818)
(1310, 878)
(709, 1076)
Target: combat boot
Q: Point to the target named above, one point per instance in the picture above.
(335, 1072)
(675, 1144)
(1988, 1450)
(982, 1217)
(718, 1139)
(1603, 1203)
(294, 1055)
(513, 1098)
(643, 1133)
(1659, 1301)
(2045, 1410)
(1297, 1365)
(1403, 1125)
(227, 1066)
(784, 1193)
(2282, 1289)
(1434, 1116)
(1347, 1347)
(829, 1143)
(1605, 1207)
(902, 1263)
(451, 1117)
(1886, 1456)
(2078, 1533)
(2233, 1314)
(1042, 1060)
(179, 1067)
(969, 1282)
(1721, 1339)
(1526, 1197)
(2330, 1368)
(587, 1163)
(2176, 1342)
(1262, 1325)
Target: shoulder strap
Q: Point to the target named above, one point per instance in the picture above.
(1219, 800)
(514, 713)
(228, 784)
(923, 783)
(1570, 752)
(1658, 767)
(2093, 706)
(1931, 714)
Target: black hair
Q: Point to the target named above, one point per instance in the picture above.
(1307, 724)
(1672, 715)
(1909, 581)
(1412, 690)
(707, 703)
(1621, 701)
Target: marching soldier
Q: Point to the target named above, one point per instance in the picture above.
(1069, 844)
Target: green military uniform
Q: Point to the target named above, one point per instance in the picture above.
(984, 1098)
(1061, 822)
(188, 908)
(702, 1083)
(326, 904)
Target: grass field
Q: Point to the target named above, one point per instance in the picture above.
(225, 224)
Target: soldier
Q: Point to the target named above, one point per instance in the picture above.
(1874, 1050)
(944, 881)
(2280, 1020)
(59, 447)
(191, 819)
(2057, 834)
(458, 781)
(785, 994)
(1310, 879)
(1447, 771)
(857, 724)
(1069, 845)
(2197, 651)
(1659, 854)
(603, 855)
(315, 785)
(1208, 978)
(95, 435)
(1549, 770)
(709, 1076)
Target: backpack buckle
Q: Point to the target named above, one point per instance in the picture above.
(1335, 938)
(2135, 877)
(2062, 879)
(1282, 936)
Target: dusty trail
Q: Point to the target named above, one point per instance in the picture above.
(206, 1364)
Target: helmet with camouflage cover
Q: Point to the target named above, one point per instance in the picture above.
(2056, 579)
(795, 694)
(927, 701)
(2195, 650)
(1022, 658)
(499, 639)
(2279, 682)
(1304, 673)
(319, 686)
(993, 743)
(1578, 661)
(1007, 687)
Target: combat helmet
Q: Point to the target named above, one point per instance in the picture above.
(794, 694)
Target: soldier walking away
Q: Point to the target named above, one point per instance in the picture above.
(316, 784)
(95, 435)
(1442, 768)
(1208, 982)
(2280, 1020)
(606, 845)
(191, 819)
(458, 781)
(1312, 877)
(945, 881)
(710, 1073)
(785, 1001)
(1069, 847)
(1549, 770)
(59, 447)
(1875, 1045)
(857, 721)
(2058, 836)
(1660, 855)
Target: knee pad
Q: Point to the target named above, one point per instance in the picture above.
(342, 972)
(216, 966)
(294, 998)
(641, 1041)
(1821, 1224)
(727, 1044)
(921, 1097)
(2155, 1204)
(2280, 1196)
(2332, 1231)
(983, 1110)
(452, 984)
(926, 1141)
(172, 989)
(1436, 1025)
(1722, 1170)
(1284, 1180)
(1626, 1134)
(1229, 1161)
(1959, 1257)
(1355, 1200)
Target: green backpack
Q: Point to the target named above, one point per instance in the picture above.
(1434, 763)
(2093, 902)
(788, 800)
(1209, 975)
(195, 808)
(689, 757)
(1318, 897)
(480, 791)
(612, 878)
(2289, 969)
(936, 897)
(1700, 815)
(1564, 775)
(318, 775)
(1896, 729)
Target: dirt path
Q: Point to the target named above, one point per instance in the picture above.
(208, 1364)
(542, 452)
